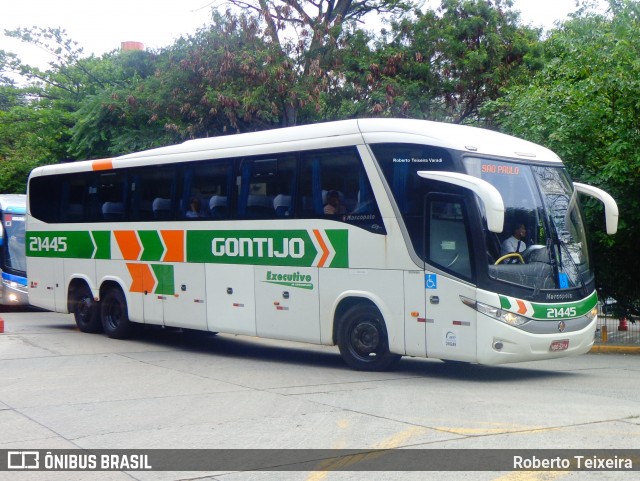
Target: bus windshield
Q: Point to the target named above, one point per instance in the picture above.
(543, 244)
(13, 248)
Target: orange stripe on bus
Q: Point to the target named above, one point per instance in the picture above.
(129, 245)
(102, 164)
(142, 278)
(323, 246)
(522, 307)
(174, 242)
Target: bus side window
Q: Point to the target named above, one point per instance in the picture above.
(206, 190)
(266, 187)
(44, 199)
(334, 185)
(448, 240)
(151, 193)
(111, 193)
(74, 193)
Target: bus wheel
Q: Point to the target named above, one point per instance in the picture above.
(113, 311)
(362, 339)
(85, 310)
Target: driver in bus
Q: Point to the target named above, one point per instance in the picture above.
(516, 243)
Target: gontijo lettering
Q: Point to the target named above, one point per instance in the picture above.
(257, 247)
(299, 247)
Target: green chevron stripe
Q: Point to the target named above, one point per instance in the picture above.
(152, 248)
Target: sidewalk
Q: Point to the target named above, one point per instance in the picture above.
(615, 348)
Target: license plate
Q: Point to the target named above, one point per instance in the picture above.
(559, 345)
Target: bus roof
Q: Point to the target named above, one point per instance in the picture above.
(357, 131)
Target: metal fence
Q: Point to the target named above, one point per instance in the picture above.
(612, 330)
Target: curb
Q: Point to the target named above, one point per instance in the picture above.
(617, 349)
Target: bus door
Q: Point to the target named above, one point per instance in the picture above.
(287, 303)
(450, 325)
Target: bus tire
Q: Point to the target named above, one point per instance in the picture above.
(114, 314)
(363, 341)
(85, 310)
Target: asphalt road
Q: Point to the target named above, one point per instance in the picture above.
(62, 389)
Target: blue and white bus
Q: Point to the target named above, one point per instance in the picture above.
(13, 262)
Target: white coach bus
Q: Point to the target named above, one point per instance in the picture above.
(382, 236)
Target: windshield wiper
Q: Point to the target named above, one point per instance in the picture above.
(557, 263)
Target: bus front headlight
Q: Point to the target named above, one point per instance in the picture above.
(591, 315)
(496, 313)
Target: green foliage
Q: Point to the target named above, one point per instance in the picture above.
(246, 72)
(440, 65)
(28, 137)
(584, 105)
(36, 119)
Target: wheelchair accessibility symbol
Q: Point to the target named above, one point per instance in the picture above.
(431, 281)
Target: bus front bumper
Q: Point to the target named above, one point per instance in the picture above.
(14, 293)
(507, 344)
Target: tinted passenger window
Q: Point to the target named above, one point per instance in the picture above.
(328, 184)
(266, 187)
(207, 188)
(43, 199)
(152, 193)
(400, 164)
(334, 185)
(111, 195)
(448, 246)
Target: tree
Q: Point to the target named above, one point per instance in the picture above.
(32, 133)
(63, 98)
(222, 79)
(309, 34)
(444, 64)
(584, 106)
(280, 63)
(28, 137)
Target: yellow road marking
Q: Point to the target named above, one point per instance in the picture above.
(389, 443)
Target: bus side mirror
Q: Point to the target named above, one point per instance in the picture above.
(491, 198)
(610, 206)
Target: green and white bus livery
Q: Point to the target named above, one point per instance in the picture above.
(383, 236)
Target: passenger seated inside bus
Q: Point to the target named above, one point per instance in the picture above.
(194, 210)
(333, 204)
